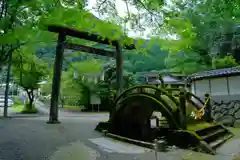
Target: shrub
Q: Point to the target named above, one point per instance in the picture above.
(29, 109)
(17, 100)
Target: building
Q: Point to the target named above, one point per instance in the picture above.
(170, 80)
(221, 84)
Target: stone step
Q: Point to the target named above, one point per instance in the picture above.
(214, 145)
(212, 136)
(207, 130)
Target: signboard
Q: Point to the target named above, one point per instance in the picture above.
(95, 99)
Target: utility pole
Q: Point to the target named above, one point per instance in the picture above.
(5, 110)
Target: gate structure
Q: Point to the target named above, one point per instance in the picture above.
(62, 44)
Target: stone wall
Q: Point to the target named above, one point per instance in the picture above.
(227, 112)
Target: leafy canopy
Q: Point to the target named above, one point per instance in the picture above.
(29, 71)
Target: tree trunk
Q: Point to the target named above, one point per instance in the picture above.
(89, 98)
(31, 99)
(61, 100)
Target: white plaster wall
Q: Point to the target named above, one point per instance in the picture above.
(193, 88)
(234, 85)
(202, 86)
(219, 86)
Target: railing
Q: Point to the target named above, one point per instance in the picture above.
(200, 113)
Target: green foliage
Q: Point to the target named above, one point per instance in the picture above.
(198, 24)
(17, 108)
(29, 72)
(206, 28)
(185, 63)
(89, 66)
(201, 28)
(76, 89)
(29, 108)
(17, 101)
(24, 108)
(227, 61)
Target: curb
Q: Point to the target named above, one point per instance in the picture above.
(24, 116)
(129, 140)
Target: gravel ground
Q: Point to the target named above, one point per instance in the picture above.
(33, 139)
(74, 139)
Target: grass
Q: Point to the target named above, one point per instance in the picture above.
(18, 108)
(27, 111)
(72, 107)
(22, 109)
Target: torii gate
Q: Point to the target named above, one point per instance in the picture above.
(62, 44)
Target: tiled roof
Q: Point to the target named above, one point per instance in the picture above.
(215, 73)
(168, 79)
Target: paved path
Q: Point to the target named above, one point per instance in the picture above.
(10, 111)
(32, 138)
(75, 139)
(66, 115)
(41, 107)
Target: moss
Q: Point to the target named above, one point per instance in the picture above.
(191, 133)
(170, 102)
(199, 125)
(159, 104)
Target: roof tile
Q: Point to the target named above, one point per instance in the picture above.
(215, 73)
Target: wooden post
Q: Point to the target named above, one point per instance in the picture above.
(119, 68)
(119, 76)
(53, 116)
(182, 100)
(157, 122)
(208, 110)
(161, 80)
(188, 96)
(5, 109)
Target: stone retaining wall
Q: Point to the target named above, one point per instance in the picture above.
(227, 112)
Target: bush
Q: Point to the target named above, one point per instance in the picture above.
(17, 100)
(29, 109)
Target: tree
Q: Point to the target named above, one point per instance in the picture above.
(185, 63)
(19, 25)
(85, 72)
(28, 71)
(76, 86)
(227, 61)
(25, 22)
(207, 28)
